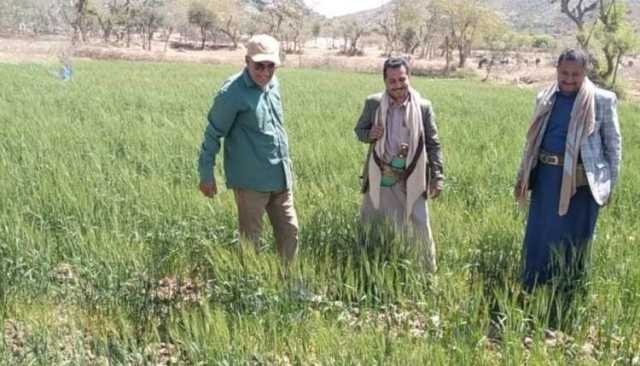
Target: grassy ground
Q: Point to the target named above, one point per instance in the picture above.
(109, 254)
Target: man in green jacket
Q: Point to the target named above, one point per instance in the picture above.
(404, 165)
(247, 114)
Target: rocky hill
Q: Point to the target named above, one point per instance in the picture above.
(541, 16)
(537, 16)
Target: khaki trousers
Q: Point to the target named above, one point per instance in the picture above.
(279, 206)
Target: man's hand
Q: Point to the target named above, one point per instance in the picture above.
(435, 188)
(208, 189)
(517, 189)
(376, 132)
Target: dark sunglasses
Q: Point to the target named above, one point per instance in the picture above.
(259, 66)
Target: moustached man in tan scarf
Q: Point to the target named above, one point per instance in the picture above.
(404, 164)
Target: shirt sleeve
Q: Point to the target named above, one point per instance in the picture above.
(432, 144)
(523, 155)
(221, 117)
(364, 122)
(612, 139)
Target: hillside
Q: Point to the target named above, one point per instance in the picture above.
(542, 17)
(538, 16)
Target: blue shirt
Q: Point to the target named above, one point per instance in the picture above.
(555, 136)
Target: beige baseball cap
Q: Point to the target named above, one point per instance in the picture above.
(262, 47)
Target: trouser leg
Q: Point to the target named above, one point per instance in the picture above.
(284, 220)
(251, 206)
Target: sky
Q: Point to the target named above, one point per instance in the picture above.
(332, 8)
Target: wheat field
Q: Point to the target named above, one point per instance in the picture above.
(110, 256)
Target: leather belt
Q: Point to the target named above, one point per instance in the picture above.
(555, 159)
(558, 160)
(550, 159)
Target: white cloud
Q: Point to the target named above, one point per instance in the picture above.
(332, 8)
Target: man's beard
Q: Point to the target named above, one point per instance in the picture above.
(400, 92)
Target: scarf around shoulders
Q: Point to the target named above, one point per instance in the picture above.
(581, 124)
(417, 180)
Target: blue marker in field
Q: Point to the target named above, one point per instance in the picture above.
(66, 72)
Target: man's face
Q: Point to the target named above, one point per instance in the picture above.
(261, 72)
(397, 83)
(570, 76)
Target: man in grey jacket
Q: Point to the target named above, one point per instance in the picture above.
(570, 163)
(404, 166)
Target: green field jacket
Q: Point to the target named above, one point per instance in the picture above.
(251, 122)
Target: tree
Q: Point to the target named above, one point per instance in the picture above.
(351, 32)
(389, 25)
(200, 15)
(315, 30)
(402, 25)
(37, 16)
(284, 19)
(109, 14)
(150, 18)
(410, 40)
(498, 40)
(614, 37)
(334, 29)
(175, 19)
(77, 14)
(295, 31)
(231, 18)
(421, 25)
(129, 21)
(543, 41)
(435, 27)
(463, 18)
(577, 11)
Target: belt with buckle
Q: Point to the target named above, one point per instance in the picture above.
(550, 159)
(554, 159)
